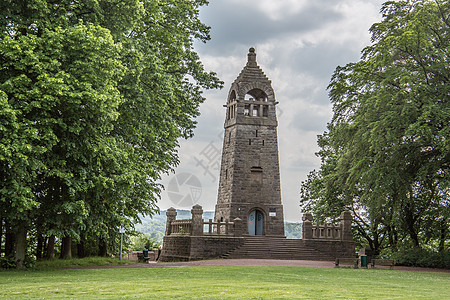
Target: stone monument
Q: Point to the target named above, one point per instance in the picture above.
(248, 221)
(249, 185)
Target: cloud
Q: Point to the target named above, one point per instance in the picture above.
(237, 23)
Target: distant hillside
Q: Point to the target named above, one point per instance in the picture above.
(156, 225)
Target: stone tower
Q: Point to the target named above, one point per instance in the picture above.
(249, 186)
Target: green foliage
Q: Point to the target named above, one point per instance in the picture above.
(416, 257)
(143, 241)
(386, 153)
(154, 227)
(7, 262)
(93, 98)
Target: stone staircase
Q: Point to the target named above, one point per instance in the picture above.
(262, 247)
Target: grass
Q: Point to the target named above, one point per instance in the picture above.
(79, 262)
(224, 283)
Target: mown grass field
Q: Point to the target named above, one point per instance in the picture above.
(224, 283)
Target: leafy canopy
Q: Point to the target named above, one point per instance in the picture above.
(94, 95)
(386, 154)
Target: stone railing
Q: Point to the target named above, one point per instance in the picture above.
(198, 227)
(326, 231)
(340, 232)
(181, 227)
(218, 228)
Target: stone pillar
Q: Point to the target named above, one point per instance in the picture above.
(171, 216)
(346, 226)
(307, 219)
(238, 228)
(251, 57)
(197, 220)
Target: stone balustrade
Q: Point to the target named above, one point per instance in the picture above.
(198, 227)
(181, 227)
(326, 231)
(218, 228)
(340, 232)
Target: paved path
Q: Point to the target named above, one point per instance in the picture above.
(253, 263)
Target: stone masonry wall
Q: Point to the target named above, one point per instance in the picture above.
(333, 248)
(184, 248)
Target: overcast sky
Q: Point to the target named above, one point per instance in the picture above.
(298, 44)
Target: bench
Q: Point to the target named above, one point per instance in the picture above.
(347, 261)
(142, 258)
(383, 262)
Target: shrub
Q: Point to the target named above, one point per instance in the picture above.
(143, 241)
(9, 262)
(418, 257)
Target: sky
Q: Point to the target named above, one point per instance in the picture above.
(298, 43)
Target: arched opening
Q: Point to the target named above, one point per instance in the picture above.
(231, 110)
(256, 222)
(256, 103)
(256, 95)
(232, 97)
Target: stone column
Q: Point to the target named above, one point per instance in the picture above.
(197, 220)
(307, 219)
(238, 228)
(346, 226)
(171, 216)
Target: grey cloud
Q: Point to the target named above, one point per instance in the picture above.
(321, 60)
(307, 120)
(235, 25)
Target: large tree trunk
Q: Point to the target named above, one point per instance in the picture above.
(443, 236)
(81, 247)
(66, 247)
(393, 238)
(102, 248)
(50, 250)
(39, 246)
(9, 240)
(410, 222)
(80, 250)
(376, 242)
(409, 219)
(21, 245)
(44, 247)
(1, 235)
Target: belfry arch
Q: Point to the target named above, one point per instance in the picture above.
(256, 95)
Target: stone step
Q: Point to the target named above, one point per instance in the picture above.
(275, 248)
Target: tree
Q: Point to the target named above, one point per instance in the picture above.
(386, 153)
(96, 94)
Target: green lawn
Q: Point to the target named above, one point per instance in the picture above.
(224, 283)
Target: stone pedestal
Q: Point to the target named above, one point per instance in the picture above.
(346, 226)
(197, 220)
(238, 227)
(171, 216)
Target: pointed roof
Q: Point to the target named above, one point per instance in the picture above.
(252, 72)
